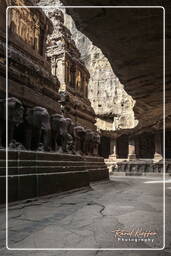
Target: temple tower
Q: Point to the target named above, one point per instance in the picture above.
(66, 64)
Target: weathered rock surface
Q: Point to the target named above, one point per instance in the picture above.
(107, 95)
(132, 40)
(112, 105)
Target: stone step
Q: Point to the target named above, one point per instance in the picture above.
(35, 155)
(45, 169)
(98, 174)
(16, 163)
(28, 186)
(33, 174)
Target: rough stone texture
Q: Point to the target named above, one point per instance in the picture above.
(34, 174)
(112, 105)
(107, 95)
(30, 78)
(71, 71)
(132, 40)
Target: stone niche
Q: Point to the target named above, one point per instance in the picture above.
(27, 26)
(30, 25)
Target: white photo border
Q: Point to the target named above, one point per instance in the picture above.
(164, 170)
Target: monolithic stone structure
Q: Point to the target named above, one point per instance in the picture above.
(71, 71)
(36, 121)
(30, 77)
(134, 48)
(112, 105)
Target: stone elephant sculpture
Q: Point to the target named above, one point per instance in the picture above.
(59, 133)
(88, 142)
(37, 129)
(70, 136)
(15, 117)
(96, 143)
(79, 136)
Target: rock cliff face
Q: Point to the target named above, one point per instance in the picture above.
(112, 105)
(132, 40)
(107, 95)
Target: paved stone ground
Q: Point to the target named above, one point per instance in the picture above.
(87, 217)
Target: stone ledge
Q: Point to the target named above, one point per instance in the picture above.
(138, 167)
(29, 186)
(32, 174)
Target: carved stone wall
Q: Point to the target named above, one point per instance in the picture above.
(71, 71)
(26, 26)
(30, 78)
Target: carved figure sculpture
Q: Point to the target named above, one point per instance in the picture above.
(38, 127)
(79, 135)
(63, 97)
(59, 133)
(15, 117)
(97, 140)
(64, 101)
(70, 136)
(88, 142)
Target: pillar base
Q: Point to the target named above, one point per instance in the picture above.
(157, 157)
(113, 157)
(132, 157)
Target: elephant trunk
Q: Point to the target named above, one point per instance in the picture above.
(46, 139)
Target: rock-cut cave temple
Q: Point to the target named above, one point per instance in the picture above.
(85, 96)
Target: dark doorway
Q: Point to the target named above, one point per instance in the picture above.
(104, 148)
(122, 147)
(146, 145)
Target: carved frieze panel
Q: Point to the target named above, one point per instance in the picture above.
(26, 24)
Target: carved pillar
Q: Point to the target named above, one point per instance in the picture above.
(131, 148)
(113, 148)
(158, 146)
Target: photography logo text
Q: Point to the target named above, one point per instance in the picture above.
(134, 235)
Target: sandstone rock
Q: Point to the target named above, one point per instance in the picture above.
(132, 40)
(112, 105)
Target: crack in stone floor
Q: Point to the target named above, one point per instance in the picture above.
(86, 218)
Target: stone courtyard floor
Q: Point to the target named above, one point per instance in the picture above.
(88, 218)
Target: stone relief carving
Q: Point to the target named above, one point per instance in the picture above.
(79, 134)
(38, 125)
(26, 26)
(42, 132)
(15, 117)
